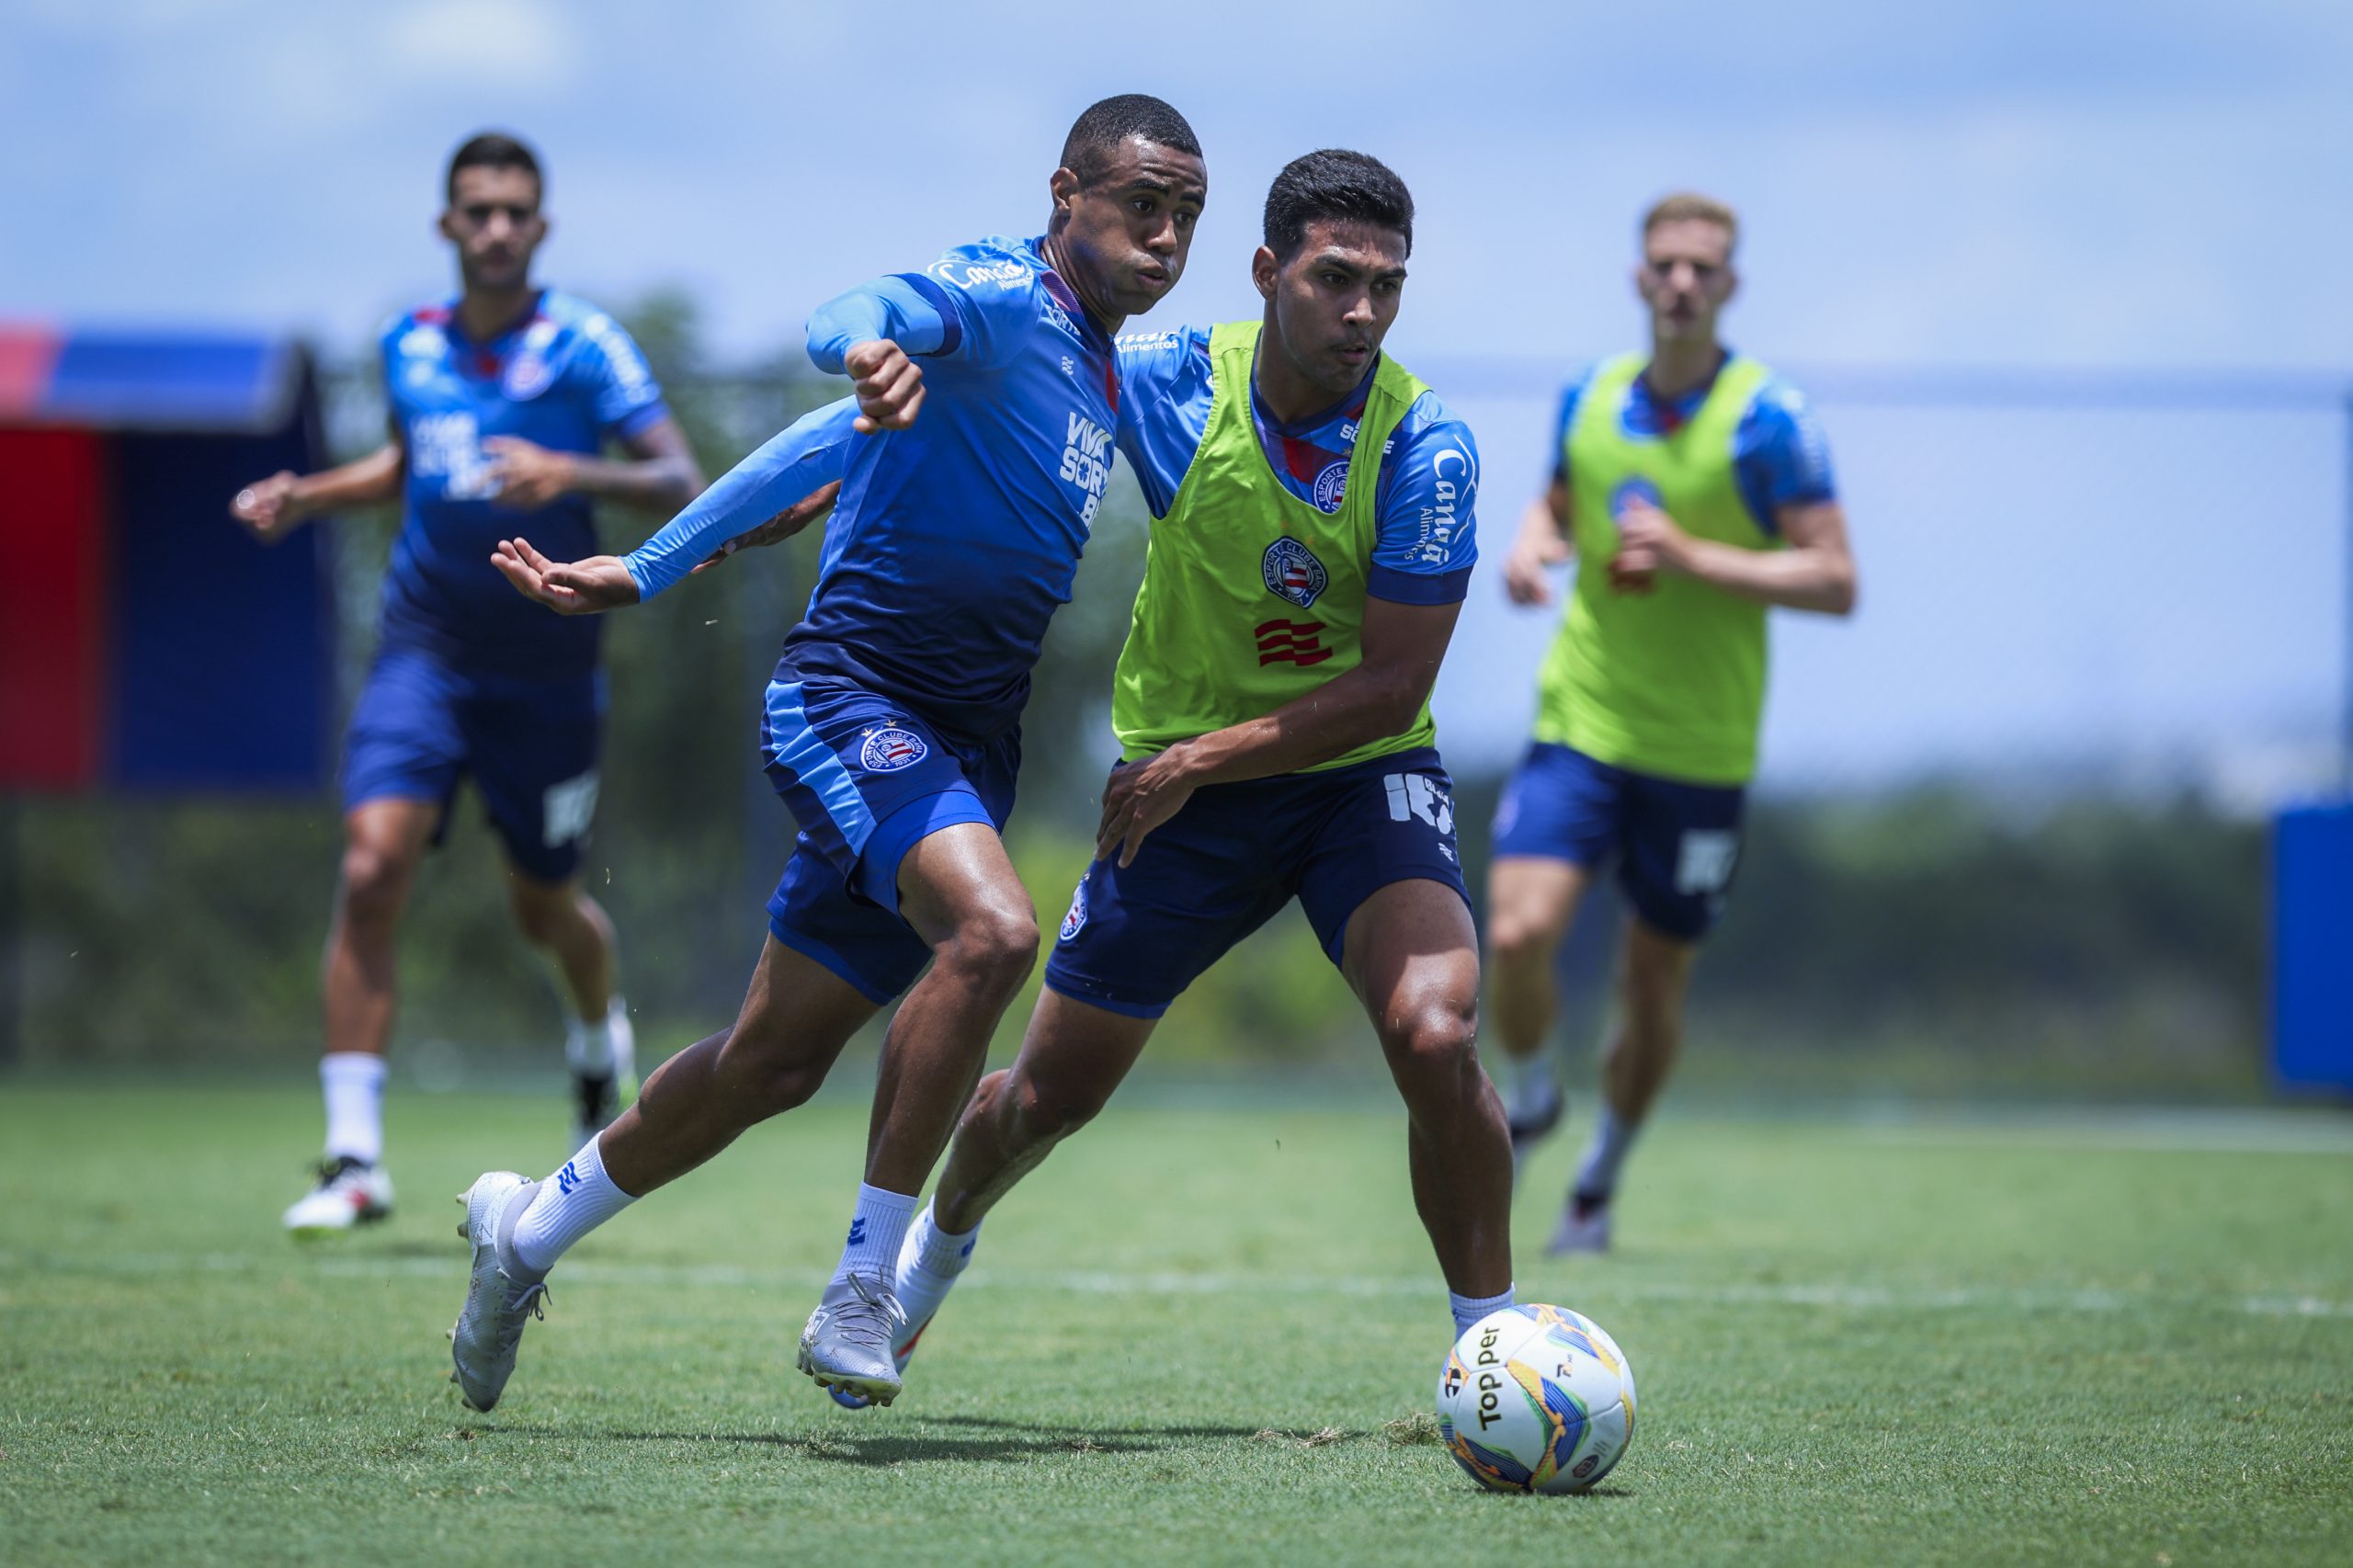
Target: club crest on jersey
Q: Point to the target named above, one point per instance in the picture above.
(1074, 921)
(1291, 570)
(1332, 488)
(890, 748)
(529, 373)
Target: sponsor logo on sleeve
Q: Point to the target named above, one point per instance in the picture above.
(1292, 572)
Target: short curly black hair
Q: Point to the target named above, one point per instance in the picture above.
(1336, 183)
(1086, 151)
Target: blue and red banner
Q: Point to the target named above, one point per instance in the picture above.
(146, 642)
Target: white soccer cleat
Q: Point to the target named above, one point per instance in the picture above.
(850, 1343)
(498, 1302)
(902, 1349)
(349, 1192)
(1585, 1227)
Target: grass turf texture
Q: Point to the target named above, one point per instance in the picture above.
(1197, 1334)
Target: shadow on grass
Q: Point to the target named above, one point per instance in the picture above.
(883, 1449)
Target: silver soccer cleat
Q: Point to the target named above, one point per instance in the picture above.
(490, 1326)
(849, 1343)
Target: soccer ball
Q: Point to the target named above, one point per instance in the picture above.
(1536, 1398)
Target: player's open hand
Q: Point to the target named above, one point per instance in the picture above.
(1138, 797)
(568, 587)
(1528, 568)
(888, 385)
(524, 476)
(269, 510)
(781, 526)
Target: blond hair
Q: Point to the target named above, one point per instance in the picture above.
(1690, 204)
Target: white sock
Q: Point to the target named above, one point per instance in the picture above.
(1531, 1079)
(1597, 1175)
(601, 1048)
(353, 1082)
(876, 1230)
(1469, 1310)
(928, 1265)
(568, 1205)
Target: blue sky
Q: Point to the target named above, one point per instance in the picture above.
(2033, 185)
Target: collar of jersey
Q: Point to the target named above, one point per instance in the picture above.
(1644, 408)
(1067, 297)
(456, 329)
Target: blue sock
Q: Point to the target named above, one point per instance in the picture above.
(1469, 1310)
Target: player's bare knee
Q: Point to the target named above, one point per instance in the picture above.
(374, 883)
(539, 912)
(995, 948)
(1435, 1049)
(1515, 939)
(1047, 1111)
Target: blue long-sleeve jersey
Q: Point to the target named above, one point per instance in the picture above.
(954, 541)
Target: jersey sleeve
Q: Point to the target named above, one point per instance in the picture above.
(919, 320)
(976, 304)
(1426, 539)
(1164, 393)
(1565, 416)
(807, 454)
(621, 388)
(1784, 451)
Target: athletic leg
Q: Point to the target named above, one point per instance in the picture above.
(796, 1017)
(383, 844)
(1412, 956)
(561, 920)
(1555, 824)
(1531, 901)
(1654, 977)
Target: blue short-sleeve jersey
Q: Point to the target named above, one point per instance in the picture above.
(566, 378)
(953, 541)
(1780, 457)
(1425, 539)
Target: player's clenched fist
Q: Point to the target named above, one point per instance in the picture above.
(269, 509)
(887, 384)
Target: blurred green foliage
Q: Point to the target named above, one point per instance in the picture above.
(1935, 939)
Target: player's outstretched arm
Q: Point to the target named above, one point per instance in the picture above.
(587, 586)
(1404, 645)
(774, 492)
(870, 334)
(273, 507)
(1815, 572)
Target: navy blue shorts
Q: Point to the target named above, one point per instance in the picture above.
(1677, 845)
(866, 780)
(530, 747)
(1236, 853)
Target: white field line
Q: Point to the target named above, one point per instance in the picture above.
(1840, 1296)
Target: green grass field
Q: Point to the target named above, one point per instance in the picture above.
(1188, 1339)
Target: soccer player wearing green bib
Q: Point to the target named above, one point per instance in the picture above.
(1313, 547)
(1693, 488)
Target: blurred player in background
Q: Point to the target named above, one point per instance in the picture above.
(971, 466)
(1313, 544)
(1693, 487)
(500, 401)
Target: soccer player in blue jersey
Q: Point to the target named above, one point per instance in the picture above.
(1693, 486)
(500, 402)
(1313, 545)
(986, 394)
